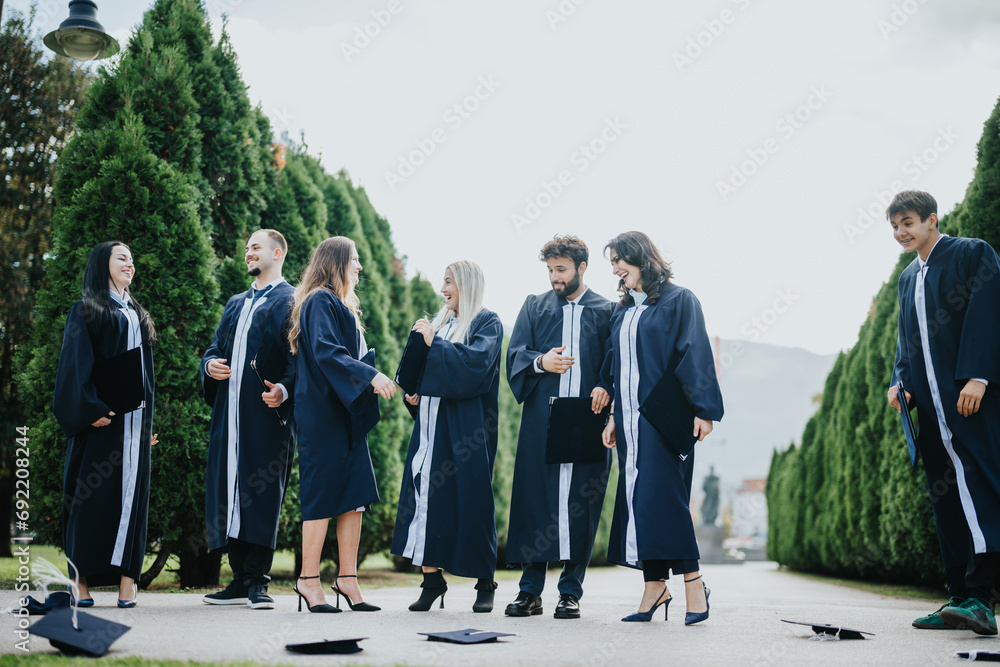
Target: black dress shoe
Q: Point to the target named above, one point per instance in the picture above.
(568, 606)
(525, 604)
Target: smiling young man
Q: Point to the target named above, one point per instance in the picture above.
(556, 349)
(948, 359)
(251, 443)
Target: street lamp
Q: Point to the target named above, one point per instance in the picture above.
(80, 36)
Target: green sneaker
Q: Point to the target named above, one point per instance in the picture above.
(972, 615)
(934, 621)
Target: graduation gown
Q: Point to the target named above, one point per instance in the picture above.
(249, 451)
(331, 384)
(446, 512)
(555, 508)
(106, 475)
(961, 293)
(652, 518)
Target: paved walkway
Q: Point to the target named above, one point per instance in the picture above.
(748, 602)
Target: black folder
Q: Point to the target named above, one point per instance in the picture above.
(118, 380)
(270, 363)
(670, 412)
(911, 433)
(411, 366)
(574, 431)
(364, 412)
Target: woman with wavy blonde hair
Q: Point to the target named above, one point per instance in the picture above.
(333, 387)
(445, 516)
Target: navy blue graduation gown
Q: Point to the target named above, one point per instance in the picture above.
(243, 493)
(331, 383)
(106, 475)
(962, 292)
(446, 517)
(652, 519)
(555, 508)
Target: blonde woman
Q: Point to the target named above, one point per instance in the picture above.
(445, 517)
(332, 386)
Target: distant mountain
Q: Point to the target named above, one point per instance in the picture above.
(768, 393)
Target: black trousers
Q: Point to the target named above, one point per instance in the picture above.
(250, 562)
(656, 570)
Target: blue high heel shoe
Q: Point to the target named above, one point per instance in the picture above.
(129, 604)
(692, 617)
(89, 602)
(647, 616)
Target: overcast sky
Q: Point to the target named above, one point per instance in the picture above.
(742, 135)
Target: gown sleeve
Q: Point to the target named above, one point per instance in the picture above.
(978, 351)
(901, 367)
(328, 323)
(607, 378)
(696, 363)
(75, 402)
(521, 354)
(463, 370)
(217, 350)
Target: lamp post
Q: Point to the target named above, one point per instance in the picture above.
(80, 36)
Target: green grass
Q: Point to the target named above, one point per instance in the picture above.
(880, 588)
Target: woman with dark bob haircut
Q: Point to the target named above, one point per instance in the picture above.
(106, 477)
(658, 340)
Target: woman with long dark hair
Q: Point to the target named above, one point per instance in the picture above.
(333, 386)
(446, 513)
(106, 476)
(658, 336)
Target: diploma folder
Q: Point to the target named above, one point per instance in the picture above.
(574, 431)
(908, 430)
(118, 380)
(670, 412)
(411, 366)
(365, 413)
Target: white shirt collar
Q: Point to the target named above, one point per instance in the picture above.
(638, 297)
(123, 302)
(273, 283)
(577, 299)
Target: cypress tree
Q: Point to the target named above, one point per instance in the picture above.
(981, 215)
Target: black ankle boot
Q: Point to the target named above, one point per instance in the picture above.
(484, 596)
(434, 586)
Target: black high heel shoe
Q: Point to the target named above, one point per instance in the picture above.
(692, 617)
(317, 608)
(646, 616)
(434, 586)
(360, 606)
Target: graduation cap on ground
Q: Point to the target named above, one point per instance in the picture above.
(414, 360)
(984, 656)
(670, 412)
(53, 601)
(364, 411)
(911, 433)
(118, 381)
(91, 635)
(574, 431)
(327, 646)
(467, 636)
(832, 631)
(270, 363)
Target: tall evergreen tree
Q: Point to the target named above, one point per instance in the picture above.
(41, 97)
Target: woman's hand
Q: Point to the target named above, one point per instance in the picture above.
(384, 387)
(423, 325)
(701, 428)
(608, 437)
(156, 439)
(103, 421)
(412, 399)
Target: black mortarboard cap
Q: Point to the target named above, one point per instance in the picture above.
(411, 366)
(467, 636)
(364, 411)
(908, 430)
(327, 646)
(670, 412)
(53, 601)
(833, 630)
(94, 636)
(574, 432)
(118, 381)
(984, 656)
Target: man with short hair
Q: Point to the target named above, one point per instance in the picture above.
(252, 438)
(556, 350)
(948, 360)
